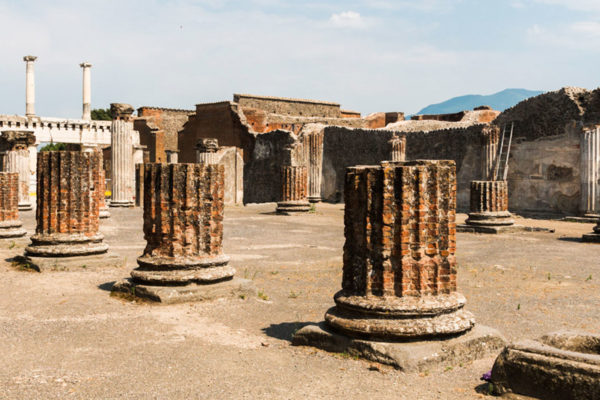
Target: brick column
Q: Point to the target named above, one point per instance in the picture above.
(397, 148)
(399, 275)
(489, 204)
(313, 146)
(123, 179)
(206, 151)
(183, 225)
(10, 225)
(490, 139)
(590, 172)
(293, 190)
(67, 206)
(100, 182)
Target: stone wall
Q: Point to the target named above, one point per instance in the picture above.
(287, 106)
(159, 129)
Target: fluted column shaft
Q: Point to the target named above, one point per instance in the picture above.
(398, 148)
(294, 185)
(399, 274)
(18, 161)
(590, 172)
(10, 225)
(490, 139)
(313, 144)
(67, 206)
(123, 168)
(206, 158)
(489, 204)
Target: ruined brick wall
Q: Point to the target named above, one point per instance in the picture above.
(67, 201)
(287, 106)
(215, 120)
(168, 122)
(344, 148)
(262, 173)
(407, 211)
(183, 210)
(9, 196)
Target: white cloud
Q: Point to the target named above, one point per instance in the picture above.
(347, 19)
(591, 28)
(581, 5)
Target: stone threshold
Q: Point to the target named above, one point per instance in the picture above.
(583, 220)
(413, 356)
(500, 229)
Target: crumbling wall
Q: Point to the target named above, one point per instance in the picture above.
(262, 174)
(344, 148)
(159, 129)
(287, 106)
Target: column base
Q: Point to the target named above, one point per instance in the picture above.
(75, 263)
(104, 213)
(11, 229)
(232, 288)
(25, 207)
(65, 245)
(292, 207)
(487, 218)
(314, 199)
(165, 271)
(412, 356)
(125, 204)
(593, 237)
(561, 365)
(399, 318)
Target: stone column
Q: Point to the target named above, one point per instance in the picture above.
(29, 86)
(590, 172)
(397, 148)
(67, 206)
(313, 144)
(17, 158)
(490, 139)
(100, 182)
(123, 178)
(489, 204)
(183, 227)
(87, 91)
(206, 151)
(10, 225)
(293, 190)
(172, 156)
(399, 274)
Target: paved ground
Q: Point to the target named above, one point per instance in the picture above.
(63, 336)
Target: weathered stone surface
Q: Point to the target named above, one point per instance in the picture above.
(206, 151)
(10, 225)
(100, 182)
(490, 138)
(399, 279)
(121, 110)
(561, 366)
(14, 146)
(183, 227)
(83, 262)
(398, 148)
(489, 204)
(67, 206)
(312, 141)
(123, 167)
(593, 237)
(294, 182)
(479, 342)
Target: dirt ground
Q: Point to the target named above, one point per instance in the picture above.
(63, 336)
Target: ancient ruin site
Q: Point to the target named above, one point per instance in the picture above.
(184, 240)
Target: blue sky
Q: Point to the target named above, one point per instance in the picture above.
(379, 55)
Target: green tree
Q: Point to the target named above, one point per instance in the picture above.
(54, 147)
(101, 114)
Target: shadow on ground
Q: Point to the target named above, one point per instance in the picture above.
(107, 286)
(285, 330)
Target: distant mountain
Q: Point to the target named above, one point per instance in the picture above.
(498, 101)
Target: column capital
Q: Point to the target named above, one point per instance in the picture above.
(85, 65)
(29, 58)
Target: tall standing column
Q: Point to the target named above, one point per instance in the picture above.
(490, 138)
(399, 275)
(29, 86)
(206, 151)
(183, 227)
(10, 225)
(590, 172)
(313, 145)
(123, 169)
(397, 148)
(67, 206)
(87, 91)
